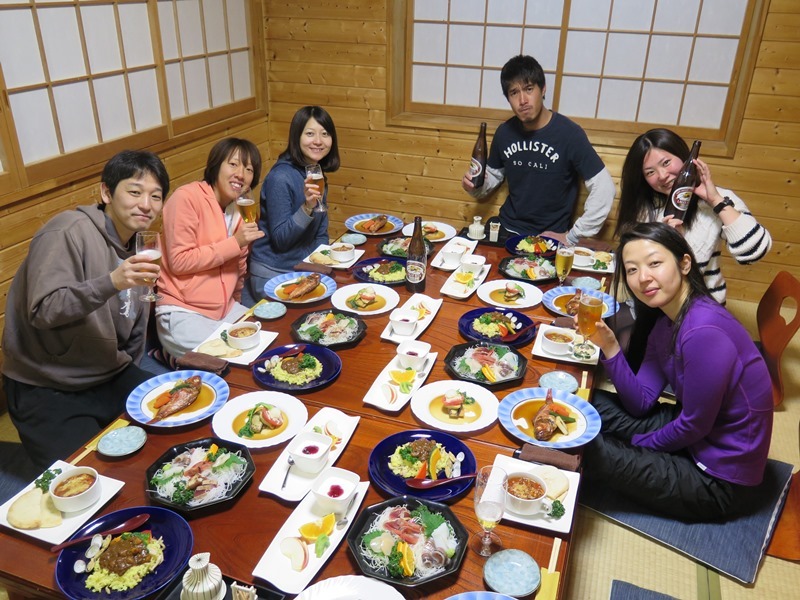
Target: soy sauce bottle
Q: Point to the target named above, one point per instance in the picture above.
(417, 260)
(682, 197)
(477, 166)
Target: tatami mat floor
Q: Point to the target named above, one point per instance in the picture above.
(603, 551)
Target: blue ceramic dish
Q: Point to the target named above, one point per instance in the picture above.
(465, 326)
(512, 572)
(331, 367)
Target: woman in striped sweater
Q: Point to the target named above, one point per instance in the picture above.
(650, 168)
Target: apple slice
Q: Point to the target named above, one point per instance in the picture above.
(295, 550)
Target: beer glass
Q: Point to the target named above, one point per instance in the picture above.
(491, 484)
(247, 206)
(565, 255)
(314, 173)
(148, 244)
(590, 312)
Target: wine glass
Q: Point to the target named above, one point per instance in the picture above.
(564, 257)
(590, 311)
(248, 207)
(314, 173)
(490, 499)
(148, 244)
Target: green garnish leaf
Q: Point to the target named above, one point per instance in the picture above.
(430, 521)
(557, 510)
(43, 482)
(322, 544)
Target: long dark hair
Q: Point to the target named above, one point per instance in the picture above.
(638, 201)
(646, 316)
(224, 149)
(293, 152)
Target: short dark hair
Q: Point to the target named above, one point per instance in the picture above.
(293, 152)
(638, 201)
(676, 244)
(134, 163)
(222, 151)
(521, 68)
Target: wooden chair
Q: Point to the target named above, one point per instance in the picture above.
(773, 331)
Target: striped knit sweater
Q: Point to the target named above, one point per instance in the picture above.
(748, 241)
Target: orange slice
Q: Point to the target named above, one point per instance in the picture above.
(406, 376)
(312, 530)
(464, 278)
(407, 558)
(434, 459)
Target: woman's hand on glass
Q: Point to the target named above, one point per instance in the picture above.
(247, 234)
(605, 339)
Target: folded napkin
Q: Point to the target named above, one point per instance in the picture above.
(564, 322)
(203, 362)
(305, 266)
(548, 456)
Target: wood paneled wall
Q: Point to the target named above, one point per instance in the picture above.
(334, 53)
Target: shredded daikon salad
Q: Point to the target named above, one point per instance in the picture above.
(200, 475)
(405, 543)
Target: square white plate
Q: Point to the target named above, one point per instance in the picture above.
(299, 483)
(412, 303)
(71, 521)
(458, 290)
(563, 525)
(541, 352)
(344, 265)
(454, 243)
(247, 356)
(275, 567)
(376, 395)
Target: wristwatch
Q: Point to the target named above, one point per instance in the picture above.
(719, 207)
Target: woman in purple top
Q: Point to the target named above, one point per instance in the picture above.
(689, 459)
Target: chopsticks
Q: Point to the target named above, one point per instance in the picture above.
(92, 445)
(551, 566)
(251, 310)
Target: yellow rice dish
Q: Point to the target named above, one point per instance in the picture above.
(306, 373)
(101, 579)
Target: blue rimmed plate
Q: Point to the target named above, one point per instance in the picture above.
(513, 242)
(272, 286)
(465, 326)
(331, 367)
(355, 224)
(382, 476)
(140, 397)
(362, 269)
(587, 423)
(163, 523)
(555, 299)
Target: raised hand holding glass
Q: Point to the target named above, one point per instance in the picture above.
(148, 244)
(314, 174)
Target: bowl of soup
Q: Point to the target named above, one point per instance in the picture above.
(75, 489)
(557, 340)
(244, 335)
(342, 252)
(584, 257)
(526, 494)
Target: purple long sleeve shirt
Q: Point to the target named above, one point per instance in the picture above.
(722, 384)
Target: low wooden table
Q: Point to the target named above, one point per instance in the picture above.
(238, 534)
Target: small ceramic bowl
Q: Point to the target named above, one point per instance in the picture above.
(452, 257)
(527, 494)
(343, 252)
(244, 335)
(270, 310)
(473, 263)
(513, 573)
(404, 321)
(83, 499)
(333, 489)
(584, 257)
(412, 354)
(309, 451)
(558, 341)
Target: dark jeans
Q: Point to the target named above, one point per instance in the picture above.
(670, 483)
(52, 424)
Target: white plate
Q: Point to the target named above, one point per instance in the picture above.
(339, 265)
(340, 296)
(533, 295)
(296, 411)
(538, 350)
(249, 355)
(274, 566)
(454, 244)
(71, 521)
(420, 405)
(431, 304)
(541, 520)
(446, 229)
(350, 587)
(376, 395)
(458, 290)
(299, 483)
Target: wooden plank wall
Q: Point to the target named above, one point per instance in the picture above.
(334, 53)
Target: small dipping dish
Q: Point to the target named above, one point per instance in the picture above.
(586, 283)
(559, 380)
(354, 238)
(122, 441)
(270, 310)
(512, 572)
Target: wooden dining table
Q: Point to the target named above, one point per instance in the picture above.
(239, 532)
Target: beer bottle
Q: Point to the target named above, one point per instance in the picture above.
(417, 260)
(477, 167)
(682, 196)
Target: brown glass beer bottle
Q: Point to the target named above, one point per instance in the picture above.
(417, 260)
(477, 167)
(682, 196)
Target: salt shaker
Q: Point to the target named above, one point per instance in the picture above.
(476, 230)
(203, 580)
